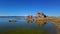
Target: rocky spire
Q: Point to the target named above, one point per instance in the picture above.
(41, 15)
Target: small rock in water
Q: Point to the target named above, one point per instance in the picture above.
(12, 20)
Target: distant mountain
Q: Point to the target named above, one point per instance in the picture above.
(12, 16)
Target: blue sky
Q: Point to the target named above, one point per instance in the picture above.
(29, 7)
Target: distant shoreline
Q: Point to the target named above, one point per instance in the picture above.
(25, 16)
(10, 16)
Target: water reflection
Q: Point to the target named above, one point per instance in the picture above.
(46, 27)
(39, 23)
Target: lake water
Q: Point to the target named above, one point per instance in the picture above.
(7, 27)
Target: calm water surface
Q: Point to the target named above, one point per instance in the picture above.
(5, 25)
